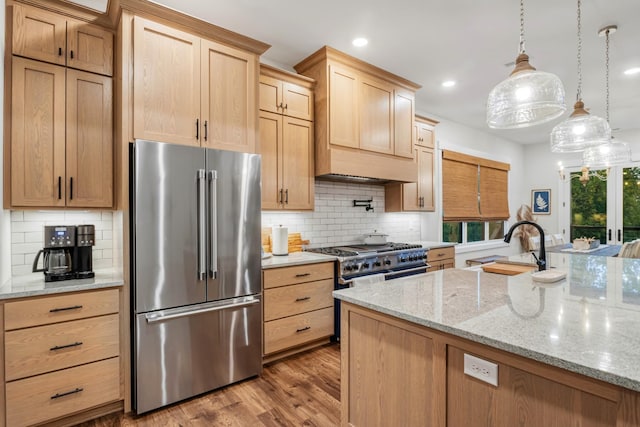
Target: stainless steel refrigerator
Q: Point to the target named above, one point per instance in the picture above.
(195, 270)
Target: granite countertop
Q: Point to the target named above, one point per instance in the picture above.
(588, 323)
(30, 285)
(433, 245)
(295, 258)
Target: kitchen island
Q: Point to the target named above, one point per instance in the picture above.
(563, 353)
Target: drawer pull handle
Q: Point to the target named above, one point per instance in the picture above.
(60, 347)
(67, 393)
(302, 299)
(303, 274)
(306, 328)
(73, 307)
(441, 254)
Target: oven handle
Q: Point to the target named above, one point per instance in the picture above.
(341, 281)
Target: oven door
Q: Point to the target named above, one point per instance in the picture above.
(342, 283)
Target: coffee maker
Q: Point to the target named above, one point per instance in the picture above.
(67, 253)
(83, 252)
(59, 241)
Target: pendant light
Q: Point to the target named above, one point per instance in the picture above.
(613, 152)
(581, 129)
(527, 97)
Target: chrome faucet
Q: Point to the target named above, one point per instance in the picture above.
(541, 259)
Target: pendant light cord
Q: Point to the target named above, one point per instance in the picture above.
(607, 73)
(579, 93)
(521, 26)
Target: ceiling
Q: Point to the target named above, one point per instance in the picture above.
(469, 41)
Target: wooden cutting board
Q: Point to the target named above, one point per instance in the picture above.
(508, 269)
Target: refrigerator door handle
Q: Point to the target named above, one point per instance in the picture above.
(213, 224)
(205, 308)
(202, 225)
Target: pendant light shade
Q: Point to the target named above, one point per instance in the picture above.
(606, 155)
(579, 131)
(527, 97)
(614, 152)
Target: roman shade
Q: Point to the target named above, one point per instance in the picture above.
(473, 188)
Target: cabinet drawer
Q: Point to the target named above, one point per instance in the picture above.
(47, 348)
(46, 310)
(295, 299)
(296, 330)
(64, 392)
(298, 274)
(440, 265)
(440, 253)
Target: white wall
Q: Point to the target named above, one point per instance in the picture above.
(5, 254)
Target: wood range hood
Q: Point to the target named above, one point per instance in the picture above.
(364, 120)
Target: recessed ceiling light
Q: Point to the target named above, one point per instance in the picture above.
(632, 71)
(360, 41)
(448, 83)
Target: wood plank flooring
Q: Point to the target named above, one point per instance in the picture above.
(301, 390)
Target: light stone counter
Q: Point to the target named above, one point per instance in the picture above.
(588, 323)
(33, 284)
(433, 245)
(295, 258)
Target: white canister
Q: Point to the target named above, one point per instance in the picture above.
(280, 240)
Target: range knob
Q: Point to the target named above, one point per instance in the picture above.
(387, 262)
(377, 264)
(365, 265)
(424, 256)
(348, 267)
(402, 259)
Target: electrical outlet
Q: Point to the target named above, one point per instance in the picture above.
(481, 369)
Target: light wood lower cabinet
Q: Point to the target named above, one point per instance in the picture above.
(399, 373)
(298, 308)
(441, 258)
(59, 393)
(61, 355)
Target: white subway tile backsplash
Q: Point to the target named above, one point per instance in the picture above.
(27, 234)
(336, 221)
(17, 259)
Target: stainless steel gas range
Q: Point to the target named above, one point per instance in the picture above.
(391, 259)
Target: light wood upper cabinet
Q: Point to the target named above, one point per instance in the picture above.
(192, 91)
(166, 87)
(37, 134)
(424, 132)
(343, 107)
(286, 141)
(60, 156)
(49, 37)
(404, 111)
(419, 195)
(376, 116)
(89, 148)
(285, 98)
(228, 98)
(286, 146)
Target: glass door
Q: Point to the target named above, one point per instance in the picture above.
(604, 204)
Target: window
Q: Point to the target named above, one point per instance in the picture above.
(474, 198)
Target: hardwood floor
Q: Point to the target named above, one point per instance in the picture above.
(301, 390)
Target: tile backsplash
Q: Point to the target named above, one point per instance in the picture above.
(336, 221)
(27, 229)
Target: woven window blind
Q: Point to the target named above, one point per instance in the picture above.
(473, 188)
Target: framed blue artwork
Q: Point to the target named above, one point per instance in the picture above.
(541, 202)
